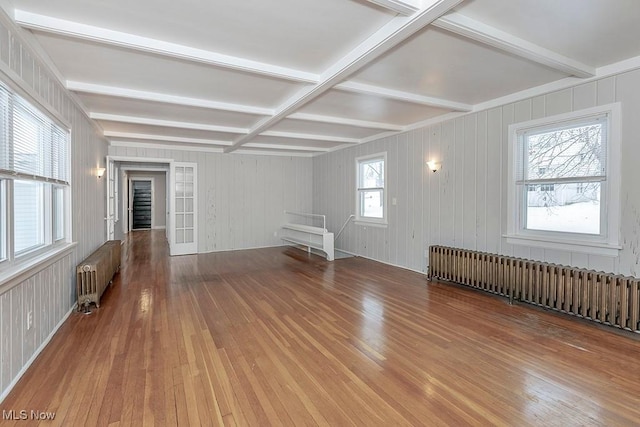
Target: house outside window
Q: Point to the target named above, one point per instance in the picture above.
(564, 190)
(371, 197)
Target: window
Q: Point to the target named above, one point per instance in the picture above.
(564, 192)
(34, 180)
(371, 199)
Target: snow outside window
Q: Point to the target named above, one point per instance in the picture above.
(564, 187)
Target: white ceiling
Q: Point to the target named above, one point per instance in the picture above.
(303, 77)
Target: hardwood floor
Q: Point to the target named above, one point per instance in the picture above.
(275, 337)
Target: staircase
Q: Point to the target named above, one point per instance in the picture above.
(141, 205)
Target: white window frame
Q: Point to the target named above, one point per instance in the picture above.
(607, 243)
(13, 264)
(364, 220)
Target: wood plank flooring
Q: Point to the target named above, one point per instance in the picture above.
(278, 337)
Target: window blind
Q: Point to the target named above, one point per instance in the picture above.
(32, 146)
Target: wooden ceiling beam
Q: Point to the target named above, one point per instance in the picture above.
(284, 147)
(386, 38)
(483, 33)
(295, 135)
(403, 7)
(139, 95)
(76, 30)
(344, 121)
(398, 95)
(165, 123)
(166, 138)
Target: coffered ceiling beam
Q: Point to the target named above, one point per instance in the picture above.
(343, 121)
(403, 7)
(483, 33)
(166, 138)
(76, 30)
(386, 38)
(139, 95)
(165, 123)
(284, 147)
(398, 95)
(311, 137)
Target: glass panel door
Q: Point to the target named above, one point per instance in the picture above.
(184, 209)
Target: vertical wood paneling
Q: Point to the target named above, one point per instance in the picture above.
(242, 198)
(401, 189)
(459, 154)
(447, 177)
(585, 96)
(481, 181)
(417, 211)
(50, 293)
(508, 118)
(470, 183)
(435, 189)
(17, 329)
(627, 89)
(5, 340)
(606, 91)
(465, 203)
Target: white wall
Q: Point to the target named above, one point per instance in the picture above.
(465, 203)
(50, 290)
(241, 198)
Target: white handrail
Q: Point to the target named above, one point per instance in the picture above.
(343, 226)
(324, 219)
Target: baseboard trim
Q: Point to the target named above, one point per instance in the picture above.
(32, 359)
(382, 262)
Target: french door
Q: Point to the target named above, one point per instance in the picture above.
(183, 227)
(111, 199)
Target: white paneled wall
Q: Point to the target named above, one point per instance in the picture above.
(241, 198)
(465, 203)
(50, 291)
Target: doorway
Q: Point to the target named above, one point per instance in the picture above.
(141, 203)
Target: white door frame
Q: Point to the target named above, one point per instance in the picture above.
(125, 169)
(144, 179)
(170, 192)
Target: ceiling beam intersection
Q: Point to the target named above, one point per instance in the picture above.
(390, 35)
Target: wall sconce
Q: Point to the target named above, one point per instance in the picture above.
(100, 172)
(434, 166)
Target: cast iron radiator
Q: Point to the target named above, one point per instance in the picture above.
(96, 272)
(602, 297)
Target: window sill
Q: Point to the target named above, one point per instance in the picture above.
(365, 223)
(591, 248)
(23, 270)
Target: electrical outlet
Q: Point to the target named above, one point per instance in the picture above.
(29, 320)
(275, 234)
